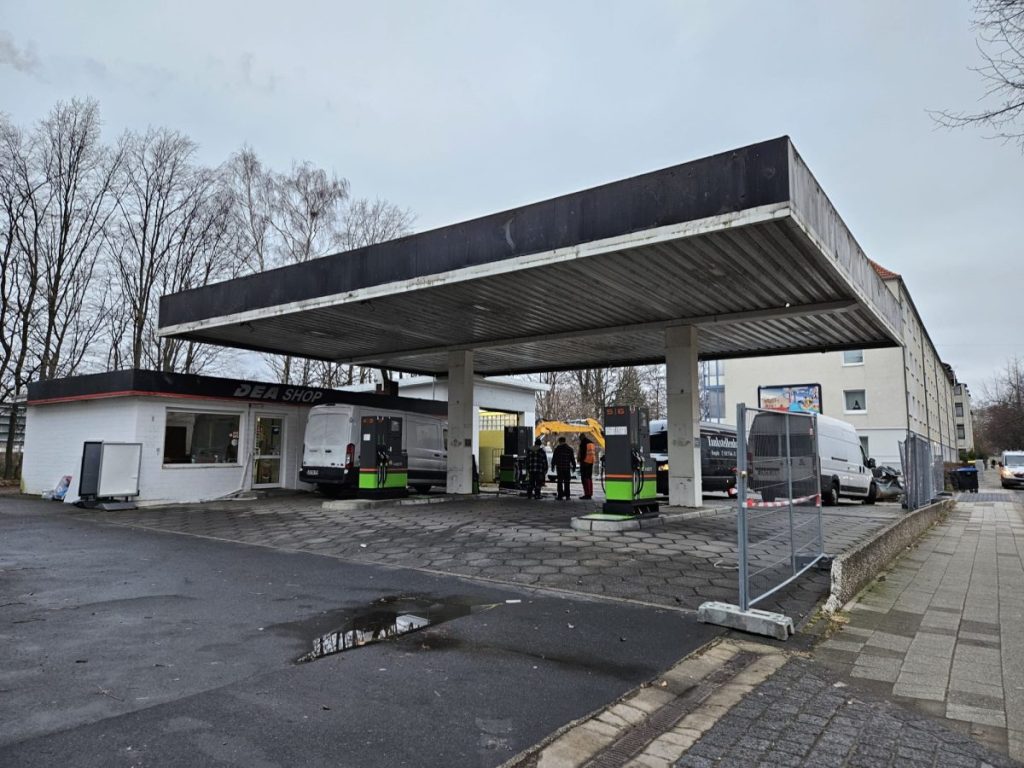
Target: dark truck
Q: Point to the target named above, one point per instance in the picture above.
(717, 456)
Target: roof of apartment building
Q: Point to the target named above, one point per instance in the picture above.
(882, 272)
(888, 274)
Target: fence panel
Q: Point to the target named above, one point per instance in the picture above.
(779, 522)
(922, 470)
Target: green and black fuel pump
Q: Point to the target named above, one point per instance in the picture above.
(512, 463)
(630, 475)
(383, 467)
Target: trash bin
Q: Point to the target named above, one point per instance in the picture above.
(967, 479)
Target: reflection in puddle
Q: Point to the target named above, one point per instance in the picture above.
(386, 619)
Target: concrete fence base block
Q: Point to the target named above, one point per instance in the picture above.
(756, 622)
(853, 570)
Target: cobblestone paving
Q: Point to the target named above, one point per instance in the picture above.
(943, 631)
(799, 717)
(515, 540)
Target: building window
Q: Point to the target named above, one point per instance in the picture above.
(855, 400)
(959, 410)
(961, 435)
(201, 438)
(853, 357)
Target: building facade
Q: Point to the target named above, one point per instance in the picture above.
(964, 418)
(883, 392)
(204, 437)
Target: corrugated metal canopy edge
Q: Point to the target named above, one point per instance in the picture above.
(744, 245)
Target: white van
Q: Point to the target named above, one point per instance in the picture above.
(845, 470)
(330, 450)
(1011, 474)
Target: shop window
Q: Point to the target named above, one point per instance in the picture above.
(855, 401)
(853, 357)
(201, 438)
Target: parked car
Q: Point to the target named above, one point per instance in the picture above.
(1011, 474)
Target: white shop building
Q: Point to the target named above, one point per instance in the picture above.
(201, 437)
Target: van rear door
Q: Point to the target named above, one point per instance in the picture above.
(329, 432)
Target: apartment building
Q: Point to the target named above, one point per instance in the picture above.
(882, 392)
(964, 418)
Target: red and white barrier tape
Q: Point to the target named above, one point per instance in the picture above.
(751, 504)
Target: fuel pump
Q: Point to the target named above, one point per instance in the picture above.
(512, 463)
(630, 474)
(383, 467)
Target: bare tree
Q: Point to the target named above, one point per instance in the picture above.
(1000, 25)
(1001, 416)
(308, 205)
(78, 172)
(202, 254)
(252, 188)
(164, 237)
(22, 232)
(367, 222)
(307, 211)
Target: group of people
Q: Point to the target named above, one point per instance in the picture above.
(564, 462)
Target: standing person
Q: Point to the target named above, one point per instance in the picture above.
(536, 468)
(588, 457)
(564, 462)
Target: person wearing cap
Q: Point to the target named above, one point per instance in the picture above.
(536, 469)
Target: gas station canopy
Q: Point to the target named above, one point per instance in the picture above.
(743, 245)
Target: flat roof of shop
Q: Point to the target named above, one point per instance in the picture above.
(744, 245)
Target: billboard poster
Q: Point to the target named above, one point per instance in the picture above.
(800, 398)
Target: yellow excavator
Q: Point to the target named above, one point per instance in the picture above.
(590, 427)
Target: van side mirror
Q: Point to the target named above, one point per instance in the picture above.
(871, 463)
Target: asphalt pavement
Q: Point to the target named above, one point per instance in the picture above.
(126, 646)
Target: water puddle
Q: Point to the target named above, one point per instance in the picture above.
(389, 618)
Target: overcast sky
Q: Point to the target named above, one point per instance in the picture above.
(457, 109)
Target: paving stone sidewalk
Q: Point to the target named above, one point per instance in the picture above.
(943, 630)
(801, 716)
(512, 539)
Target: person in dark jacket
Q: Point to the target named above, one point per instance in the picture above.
(588, 457)
(564, 461)
(536, 469)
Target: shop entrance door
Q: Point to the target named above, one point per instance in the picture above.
(268, 451)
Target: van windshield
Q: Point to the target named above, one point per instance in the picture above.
(1011, 460)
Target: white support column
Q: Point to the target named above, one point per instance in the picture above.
(681, 382)
(460, 422)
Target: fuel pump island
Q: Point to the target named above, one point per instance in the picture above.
(630, 474)
(383, 466)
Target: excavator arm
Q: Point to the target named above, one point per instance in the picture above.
(590, 427)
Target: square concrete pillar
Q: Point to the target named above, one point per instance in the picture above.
(460, 422)
(682, 382)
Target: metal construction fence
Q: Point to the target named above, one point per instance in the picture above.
(779, 523)
(923, 475)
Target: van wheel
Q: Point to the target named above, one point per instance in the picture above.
(872, 494)
(831, 497)
(420, 488)
(768, 495)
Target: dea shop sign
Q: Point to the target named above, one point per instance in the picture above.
(278, 393)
